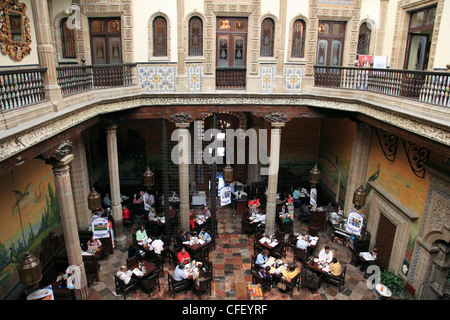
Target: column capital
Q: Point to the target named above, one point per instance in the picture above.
(182, 125)
(60, 162)
(276, 118)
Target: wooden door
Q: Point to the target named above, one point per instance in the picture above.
(385, 240)
(330, 43)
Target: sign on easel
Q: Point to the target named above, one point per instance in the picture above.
(225, 196)
(354, 222)
(100, 228)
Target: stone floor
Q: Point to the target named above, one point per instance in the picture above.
(232, 258)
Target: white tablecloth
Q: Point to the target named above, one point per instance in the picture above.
(198, 200)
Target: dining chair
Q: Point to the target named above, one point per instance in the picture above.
(300, 255)
(265, 283)
(204, 286)
(151, 282)
(123, 288)
(176, 286)
(290, 285)
(132, 261)
(338, 281)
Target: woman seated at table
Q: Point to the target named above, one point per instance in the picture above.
(335, 268)
(94, 243)
(141, 234)
(254, 205)
(289, 274)
(204, 235)
(152, 214)
(200, 275)
(262, 257)
(265, 273)
(192, 218)
(183, 256)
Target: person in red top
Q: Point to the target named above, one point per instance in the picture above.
(183, 256)
(192, 217)
(126, 214)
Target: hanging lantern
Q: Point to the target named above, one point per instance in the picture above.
(149, 179)
(30, 270)
(314, 176)
(359, 197)
(94, 200)
(228, 173)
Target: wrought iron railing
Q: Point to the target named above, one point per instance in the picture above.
(424, 86)
(75, 79)
(20, 87)
(231, 78)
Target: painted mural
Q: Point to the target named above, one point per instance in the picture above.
(29, 192)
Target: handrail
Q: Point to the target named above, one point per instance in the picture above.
(423, 86)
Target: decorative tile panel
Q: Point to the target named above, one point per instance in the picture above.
(156, 77)
(293, 78)
(194, 73)
(267, 73)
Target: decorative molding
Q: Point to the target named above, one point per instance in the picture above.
(64, 149)
(11, 144)
(181, 117)
(276, 117)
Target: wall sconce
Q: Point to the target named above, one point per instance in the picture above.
(359, 197)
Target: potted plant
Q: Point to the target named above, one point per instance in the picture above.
(394, 282)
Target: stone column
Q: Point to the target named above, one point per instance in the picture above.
(80, 185)
(183, 173)
(277, 121)
(68, 220)
(46, 52)
(181, 122)
(120, 240)
(357, 174)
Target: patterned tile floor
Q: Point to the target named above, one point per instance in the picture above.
(232, 259)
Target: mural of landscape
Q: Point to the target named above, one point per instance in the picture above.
(30, 193)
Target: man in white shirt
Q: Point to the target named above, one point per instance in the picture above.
(157, 246)
(302, 243)
(179, 274)
(206, 212)
(259, 219)
(124, 274)
(326, 254)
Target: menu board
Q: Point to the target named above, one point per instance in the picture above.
(100, 227)
(225, 196)
(354, 222)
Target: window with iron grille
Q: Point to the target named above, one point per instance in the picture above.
(67, 41)
(298, 39)
(267, 37)
(195, 37)
(159, 37)
(364, 39)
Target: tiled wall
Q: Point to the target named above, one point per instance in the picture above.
(156, 77)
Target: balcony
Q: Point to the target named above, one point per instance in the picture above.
(423, 86)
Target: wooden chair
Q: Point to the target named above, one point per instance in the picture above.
(279, 251)
(313, 231)
(204, 286)
(300, 255)
(176, 286)
(209, 268)
(254, 266)
(338, 281)
(290, 285)
(123, 288)
(247, 227)
(132, 262)
(265, 283)
(201, 255)
(151, 282)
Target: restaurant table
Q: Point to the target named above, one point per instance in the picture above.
(315, 267)
(149, 270)
(266, 243)
(194, 246)
(199, 200)
(366, 259)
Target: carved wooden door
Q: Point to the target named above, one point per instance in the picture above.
(385, 240)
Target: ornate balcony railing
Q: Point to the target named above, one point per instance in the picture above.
(430, 87)
(230, 78)
(20, 87)
(75, 79)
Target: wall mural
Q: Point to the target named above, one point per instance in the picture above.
(30, 193)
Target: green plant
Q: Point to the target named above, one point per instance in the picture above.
(393, 282)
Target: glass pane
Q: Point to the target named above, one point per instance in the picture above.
(114, 25)
(322, 48)
(68, 41)
(239, 25)
(363, 40)
(222, 58)
(338, 29)
(224, 24)
(336, 50)
(15, 23)
(417, 19)
(99, 50)
(97, 26)
(324, 28)
(417, 53)
(267, 31)
(298, 39)
(431, 16)
(239, 44)
(195, 37)
(159, 37)
(114, 49)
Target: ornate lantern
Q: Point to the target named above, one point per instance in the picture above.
(30, 270)
(228, 173)
(94, 200)
(359, 197)
(149, 178)
(314, 176)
